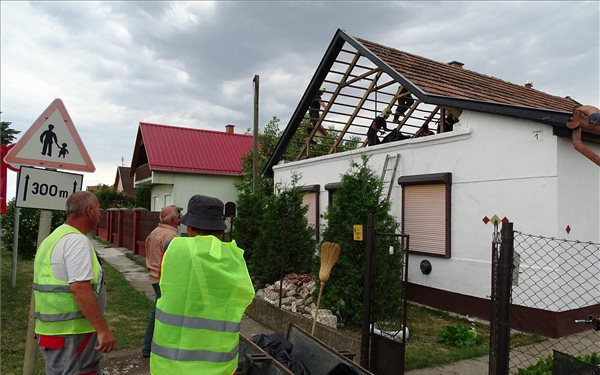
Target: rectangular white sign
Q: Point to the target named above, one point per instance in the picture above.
(46, 189)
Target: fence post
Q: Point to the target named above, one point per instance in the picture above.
(504, 293)
(136, 230)
(368, 278)
(109, 224)
(120, 227)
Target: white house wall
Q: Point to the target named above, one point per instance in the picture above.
(579, 192)
(182, 186)
(499, 165)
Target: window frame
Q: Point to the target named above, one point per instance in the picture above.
(431, 179)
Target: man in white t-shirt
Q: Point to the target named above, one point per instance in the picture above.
(70, 293)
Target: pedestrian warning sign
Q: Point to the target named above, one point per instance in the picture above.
(52, 142)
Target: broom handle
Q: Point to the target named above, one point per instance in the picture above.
(312, 332)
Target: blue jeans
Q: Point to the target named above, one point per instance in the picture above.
(150, 328)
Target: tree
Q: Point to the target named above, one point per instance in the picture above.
(285, 242)
(109, 197)
(272, 228)
(320, 145)
(29, 219)
(358, 195)
(8, 135)
(251, 206)
(143, 197)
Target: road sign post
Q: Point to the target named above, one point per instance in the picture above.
(44, 228)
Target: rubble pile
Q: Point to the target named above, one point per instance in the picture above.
(297, 296)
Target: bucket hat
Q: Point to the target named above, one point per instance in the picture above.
(204, 213)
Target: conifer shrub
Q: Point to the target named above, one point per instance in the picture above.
(359, 194)
(284, 242)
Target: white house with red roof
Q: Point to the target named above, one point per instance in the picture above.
(180, 162)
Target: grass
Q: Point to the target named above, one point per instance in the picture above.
(127, 313)
(423, 349)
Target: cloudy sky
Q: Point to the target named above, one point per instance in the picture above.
(191, 64)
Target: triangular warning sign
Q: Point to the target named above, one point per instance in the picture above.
(51, 142)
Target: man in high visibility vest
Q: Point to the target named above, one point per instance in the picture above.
(70, 295)
(205, 289)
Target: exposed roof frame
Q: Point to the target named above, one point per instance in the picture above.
(550, 117)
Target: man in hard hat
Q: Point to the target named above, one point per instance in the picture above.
(205, 289)
(70, 295)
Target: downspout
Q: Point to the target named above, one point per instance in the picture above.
(578, 122)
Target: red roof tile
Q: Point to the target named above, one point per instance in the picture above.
(172, 148)
(435, 78)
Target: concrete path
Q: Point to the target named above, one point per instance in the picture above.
(137, 276)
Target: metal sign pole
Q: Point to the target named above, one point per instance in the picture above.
(15, 246)
(44, 229)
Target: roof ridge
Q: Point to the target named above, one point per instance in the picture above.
(193, 129)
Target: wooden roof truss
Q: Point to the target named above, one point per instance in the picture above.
(356, 90)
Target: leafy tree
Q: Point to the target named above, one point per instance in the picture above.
(285, 241)
(358, 195)
(109, 197)
(29, 219)
(143, 197)
(321, 143)
(8, 135)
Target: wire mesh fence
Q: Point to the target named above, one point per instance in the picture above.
(557, 281)
(565, 364)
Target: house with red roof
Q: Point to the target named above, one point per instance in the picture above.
(178, 162)
(461, 146)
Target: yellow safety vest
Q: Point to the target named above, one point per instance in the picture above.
(205, 289)
(56, 311)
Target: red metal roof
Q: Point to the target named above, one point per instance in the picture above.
(173, 148)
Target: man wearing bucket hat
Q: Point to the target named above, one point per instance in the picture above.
(205, 289)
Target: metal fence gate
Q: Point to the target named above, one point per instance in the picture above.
(541, 285)
(383, 352)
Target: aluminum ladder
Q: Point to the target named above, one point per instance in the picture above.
(387, 167)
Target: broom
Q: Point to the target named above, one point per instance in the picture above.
(330, 252)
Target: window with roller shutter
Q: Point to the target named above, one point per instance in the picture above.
(311, 199)
(426, 212)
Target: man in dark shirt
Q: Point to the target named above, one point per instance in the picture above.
(376, 126)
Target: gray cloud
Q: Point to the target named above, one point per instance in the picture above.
(115, 64)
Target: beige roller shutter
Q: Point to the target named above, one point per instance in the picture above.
(425, 217)
(310, 200)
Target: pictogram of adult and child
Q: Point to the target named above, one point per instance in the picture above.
(48, 139)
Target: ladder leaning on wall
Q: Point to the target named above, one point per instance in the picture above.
(388, 184)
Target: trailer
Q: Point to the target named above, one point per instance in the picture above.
(317, 357)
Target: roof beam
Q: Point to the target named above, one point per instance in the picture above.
(355, 112)
(336, 92)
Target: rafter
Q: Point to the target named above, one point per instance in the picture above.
(355, 112)
(326, 110)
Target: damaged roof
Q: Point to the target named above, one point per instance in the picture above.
(362, 78)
